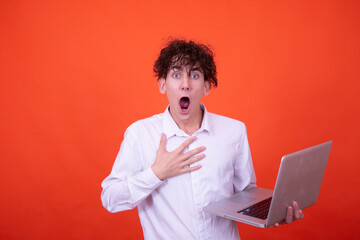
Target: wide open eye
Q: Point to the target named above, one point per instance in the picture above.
(194, 75)
(176, 75)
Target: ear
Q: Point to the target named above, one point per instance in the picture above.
(162, 85)
(207, 87)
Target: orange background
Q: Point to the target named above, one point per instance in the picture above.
(75, 74)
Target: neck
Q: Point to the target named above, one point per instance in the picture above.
(192, 124)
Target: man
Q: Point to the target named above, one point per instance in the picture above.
(173, 164)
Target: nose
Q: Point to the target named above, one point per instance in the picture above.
(185, 83)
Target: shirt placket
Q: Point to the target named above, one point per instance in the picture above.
(196, 188)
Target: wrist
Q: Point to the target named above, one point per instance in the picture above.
(157, 173)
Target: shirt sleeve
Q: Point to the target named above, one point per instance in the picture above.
(128, 183)
(244, 175)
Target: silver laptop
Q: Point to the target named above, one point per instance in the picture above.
(299, 179)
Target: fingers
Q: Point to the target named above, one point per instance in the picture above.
(170, 164)
(301, 214)
(289, 215)
(298, 214)
(185, 144)
(193, 160)
(293, 212)
(162, 145)
(191, 169)
(296, 210)
(193, 152)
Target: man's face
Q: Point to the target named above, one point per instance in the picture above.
(184, 86)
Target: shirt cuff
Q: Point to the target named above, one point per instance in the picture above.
(142, 184)
(146, 180)
(153, 179)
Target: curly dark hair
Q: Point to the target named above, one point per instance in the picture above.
(186, 53)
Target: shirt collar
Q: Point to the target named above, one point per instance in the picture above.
(171, 128)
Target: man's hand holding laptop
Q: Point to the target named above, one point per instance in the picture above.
(293, 213)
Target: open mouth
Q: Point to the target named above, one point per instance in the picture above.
(184, 103)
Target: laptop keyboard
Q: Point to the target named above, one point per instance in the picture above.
(258, 210)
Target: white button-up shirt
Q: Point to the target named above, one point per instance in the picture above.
(173, 208)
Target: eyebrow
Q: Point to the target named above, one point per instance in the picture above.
(176, 67)
(195, 69)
